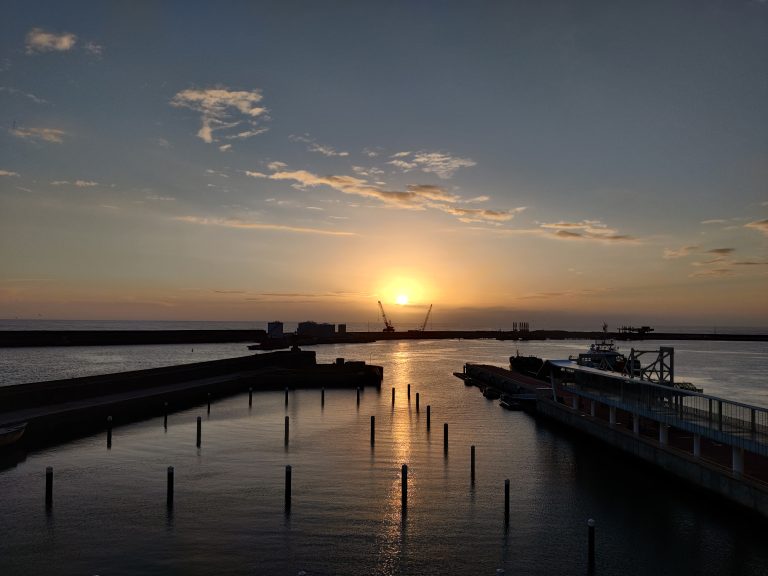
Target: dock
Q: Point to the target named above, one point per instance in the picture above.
(78, 405)
(713, 443)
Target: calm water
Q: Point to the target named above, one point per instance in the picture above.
(109, 513)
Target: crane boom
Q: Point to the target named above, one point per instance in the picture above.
(387, 324)
(426, 319)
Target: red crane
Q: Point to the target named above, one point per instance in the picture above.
(387, 324)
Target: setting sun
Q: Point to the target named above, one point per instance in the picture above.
(402, 299)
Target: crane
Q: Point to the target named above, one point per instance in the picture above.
(426, 319)
(387, 324)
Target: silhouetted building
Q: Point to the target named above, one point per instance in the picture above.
(275, 329)
(315, 329)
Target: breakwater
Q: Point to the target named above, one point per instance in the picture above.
(31, 338)
(76, 405)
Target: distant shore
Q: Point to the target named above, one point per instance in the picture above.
(37, 338)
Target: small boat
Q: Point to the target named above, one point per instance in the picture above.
(12, 434)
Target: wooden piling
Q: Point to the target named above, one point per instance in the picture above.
(169, 489)
(506, 502)
(472, 465)
(404, 491)
(165, 415)
(591, 543)
(288, 471)
(199, 430)
(373, 430)
(445, 438)
(250, 397)
(48, 487)
(358, 395)
(409, 391)
(322, 396)
(417, 402)
(429, 416)
(393, 395)
(287, 425)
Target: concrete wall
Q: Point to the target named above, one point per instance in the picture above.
(740, 490)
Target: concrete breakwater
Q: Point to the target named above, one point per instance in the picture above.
(30, 338)
(72, 406)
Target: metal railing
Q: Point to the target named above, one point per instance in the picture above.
(721, 420)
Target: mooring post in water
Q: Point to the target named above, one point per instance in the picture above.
(445, 438)
(472, 465)
(404, 491)
(250, 397)
(393, 395)
(322, 396)
(287, 425)
(358, 395)
(165, 415)
(417, 402)
(169, 490)
(409, 391)
(429, 416)
(199, 430)
(591, 543)
(109, 432)
(48, 487)
(506, 502)
(288, 470)
(209, 402)
(373, 430)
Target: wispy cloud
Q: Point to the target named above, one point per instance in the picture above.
(9, 173)
(759, 225)
(721, 251)
(478, 215)
(244, 224)
(225, 147)
(314, 146)
(223, 109)
(586, 230)
(439, 163)
(712, 273)
(17, 92)
(683, 251)
(52, 135)
(38, 40)
(94, 49)
(77, 183)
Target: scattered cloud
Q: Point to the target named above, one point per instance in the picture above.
(712, 273)
(51, 135)
(95, 50)
(17, 92)
(256, 174)
(223, 109)
(367, 172)
(244, 224)
(477, 215)
(683, 251)
(162, 142)
(216, 173)
(9, 173)
(715, 221)
(275, 166)
(721, 251)
(225, 147)
(585, 230)
(313, 146)
(38, 40)
(156, 198)
(759, 225)
(371, 153)
(439, 163)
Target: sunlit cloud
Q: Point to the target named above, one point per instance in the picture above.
(223, 109)
(683, 251)
(439, 163)
(17, 92)
(9, 173)
(432, 192)
(275, 166)
(244, 224)
(225, 147)
(52, 135)
(759, 225)
(77, 183)
(470, 215)
(38, 40)
(715, 221)
(253, 174)
(586, 230)
(313, 146)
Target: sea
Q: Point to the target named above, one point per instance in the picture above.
(109, 514)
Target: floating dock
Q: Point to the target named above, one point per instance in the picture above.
(712, 442)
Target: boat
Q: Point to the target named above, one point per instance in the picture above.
(12, 434)
(491, 393)
(604, 355)
(510, 403)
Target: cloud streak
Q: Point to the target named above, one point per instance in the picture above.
(313, 146)
(585, 230)
(439, 163)
(51, 135)
(223, 109)
(9, 173)
(244, 224)
(759, 225)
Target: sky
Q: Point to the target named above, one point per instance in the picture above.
(562, 163)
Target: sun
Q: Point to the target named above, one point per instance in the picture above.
(402, 299)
